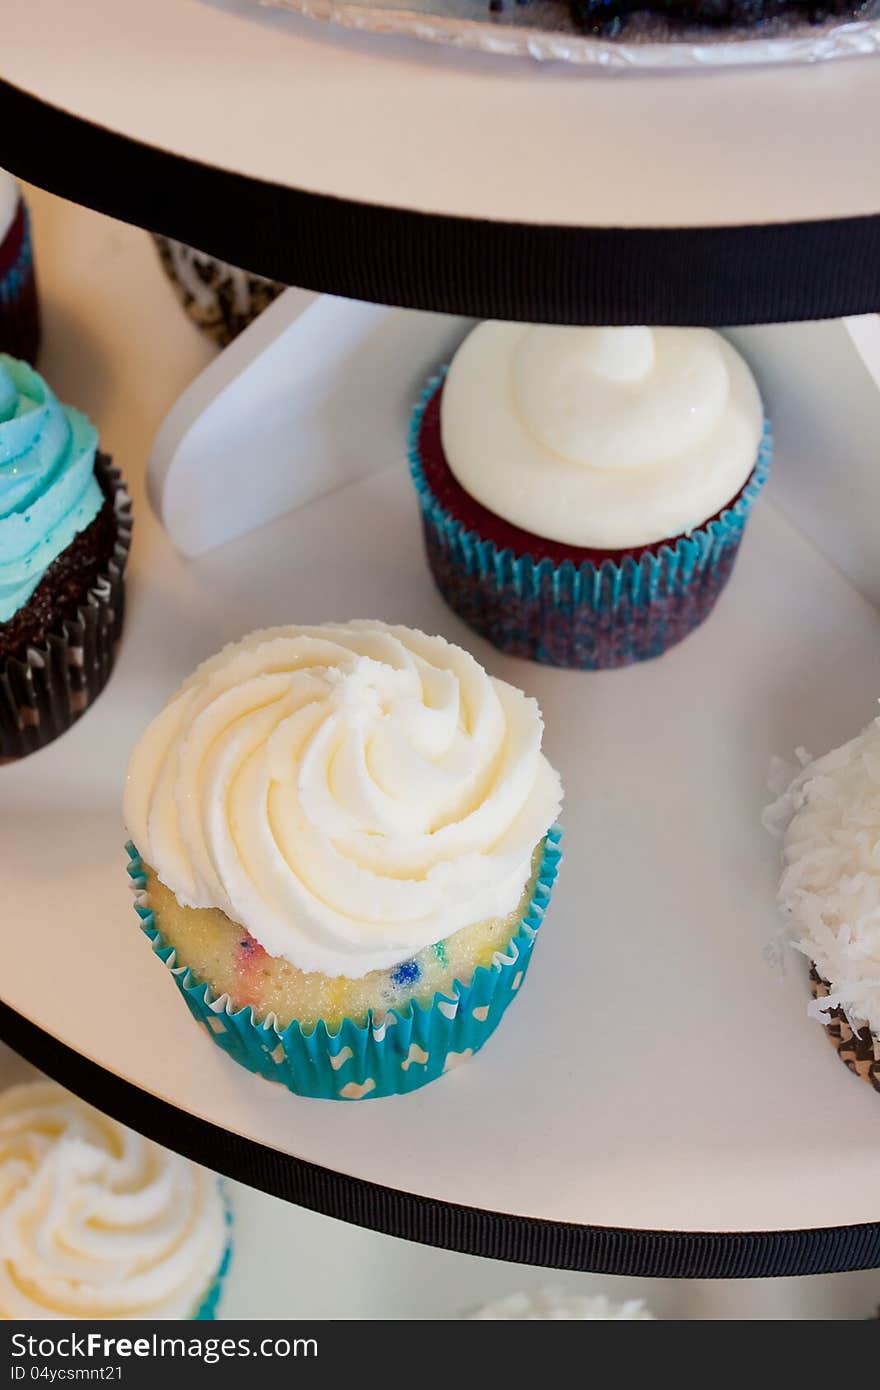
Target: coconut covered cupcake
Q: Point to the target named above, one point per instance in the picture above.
(65, 532)
(829, 892)
(97, 1222)
(584, 490)
(344, 838)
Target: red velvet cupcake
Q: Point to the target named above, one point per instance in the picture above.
(19, 309)
(588, 607)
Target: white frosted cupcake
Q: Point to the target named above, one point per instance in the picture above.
(829, 892)
(97, 1222)
(584, 490)
(559, 1305)
(345, 840)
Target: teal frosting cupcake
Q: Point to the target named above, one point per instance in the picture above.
(346, 845)
(65, 530)
(48, 489)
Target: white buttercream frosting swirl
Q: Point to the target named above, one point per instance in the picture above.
(349, 793)
(602, 438)
(561, 1305)
(829, 892)
(96, 1221)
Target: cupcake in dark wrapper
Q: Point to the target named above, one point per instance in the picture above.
(65, 531)
(584, 491)
(19, 308)
(828, 817)
(222, 299)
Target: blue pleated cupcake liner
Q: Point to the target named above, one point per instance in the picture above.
(408, 1048)
(19, 306)
(586, 616)
(207, 1309)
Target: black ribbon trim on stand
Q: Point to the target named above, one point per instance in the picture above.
(494, 1235)
(710, 276)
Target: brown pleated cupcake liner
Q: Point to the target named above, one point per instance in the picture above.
(44, 694)
(858, 1051)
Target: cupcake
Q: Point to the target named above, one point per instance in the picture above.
(829, 892)
(344, 842)
(65, 531)
(97, 1222)
(559, 1305)
(19, 310)
(583, 491)
(220, 298)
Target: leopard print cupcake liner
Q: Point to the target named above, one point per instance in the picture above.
(43, 695)
(859, 1051)
(221, 299)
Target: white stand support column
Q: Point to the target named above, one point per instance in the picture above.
(287, 412)
(821, 389)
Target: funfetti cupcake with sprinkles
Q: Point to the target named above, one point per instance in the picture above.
(343, 841)
(583, 491)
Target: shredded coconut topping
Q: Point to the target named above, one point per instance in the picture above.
(829, 820)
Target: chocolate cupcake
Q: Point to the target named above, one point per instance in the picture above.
(65, 530)
(584, 491)
(222, 299)
(829, 892)
(19, 308)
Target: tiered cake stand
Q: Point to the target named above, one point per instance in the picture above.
(658, 1101)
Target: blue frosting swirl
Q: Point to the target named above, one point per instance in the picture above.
(48, 489)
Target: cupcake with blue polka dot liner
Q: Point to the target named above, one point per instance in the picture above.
(343, 844)
(65, 534)
(583, 491)
(19, 305)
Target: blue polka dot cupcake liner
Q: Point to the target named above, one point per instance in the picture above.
(207, 1309)
(410, 1047)
(588, 616)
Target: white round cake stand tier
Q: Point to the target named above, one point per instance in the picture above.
(655, 1077)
